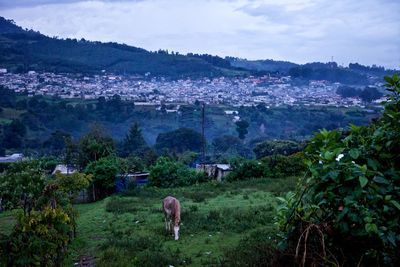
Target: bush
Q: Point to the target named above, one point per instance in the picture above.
(352, 196)
(278, 147)
(104, 172)
(40, 238)
(283, 166)
(169, 173)
(21, 184)
(244, 169)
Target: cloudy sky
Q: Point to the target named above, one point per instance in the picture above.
(300, 31)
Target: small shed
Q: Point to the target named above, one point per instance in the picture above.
(64, 169)
(215, 171)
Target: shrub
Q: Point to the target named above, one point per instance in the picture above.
(277, 147)
(244, 169)
(352, 196)
(104, 172)
(282, 166)
(39, 239)
(169, 173)
(21, 184)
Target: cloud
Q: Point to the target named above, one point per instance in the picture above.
(296, 30)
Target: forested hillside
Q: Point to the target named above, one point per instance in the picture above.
(23, 50)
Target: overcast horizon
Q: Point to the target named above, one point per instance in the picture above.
(299, 31)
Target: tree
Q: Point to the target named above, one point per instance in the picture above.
(369, 94)
(104, 173)
(94, 145)
(134, 142)
(228, 144)
(276, 147)
(180, 140)
(21, 184)
(241, 128)
(55, 144)
(14, 134)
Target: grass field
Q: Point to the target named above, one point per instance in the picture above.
(128, 229)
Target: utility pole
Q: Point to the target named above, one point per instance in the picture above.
(203, 137)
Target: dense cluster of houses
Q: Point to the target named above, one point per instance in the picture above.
(235, 91)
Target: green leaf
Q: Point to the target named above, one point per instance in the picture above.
(380, 180)
(354, 153)
(371, 228)
(363, 181)
(388, 79)
(373, 164)
(395, 203)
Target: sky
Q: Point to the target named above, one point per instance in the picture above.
(299, 31)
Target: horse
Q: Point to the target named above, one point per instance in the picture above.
(172, 215)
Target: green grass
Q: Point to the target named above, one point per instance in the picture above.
(128, 229)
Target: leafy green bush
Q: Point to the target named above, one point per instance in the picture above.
(169, 173)
(22, 183)
(40, 238)
(276, 147)
(279, 166)
(104, 172)
(352, 197)
(246, 169)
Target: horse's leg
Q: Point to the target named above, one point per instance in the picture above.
(176, 232)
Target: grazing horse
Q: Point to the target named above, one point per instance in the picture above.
(172, 213)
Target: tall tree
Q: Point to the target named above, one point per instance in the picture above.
(94, 145)
(241, 128)
(134, 142)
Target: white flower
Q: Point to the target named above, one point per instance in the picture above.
(320, 162)
(339, 157)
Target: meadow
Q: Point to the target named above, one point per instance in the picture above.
(128, 229)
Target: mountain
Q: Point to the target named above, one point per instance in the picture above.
(262, 65)
(354, 74)
(22, 50)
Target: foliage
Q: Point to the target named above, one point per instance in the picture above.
(21, 184)
(352, 193)
(34, 51)
(229, 145)
(241, 128)
(73, 183)
(134, 142)
(276, 147)
(131, 164)
(104, 172)
(277, 166)
(40, 238)
(180, 140)
(169, 173)
(246, 169)
(280, 166)
(94, 145)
